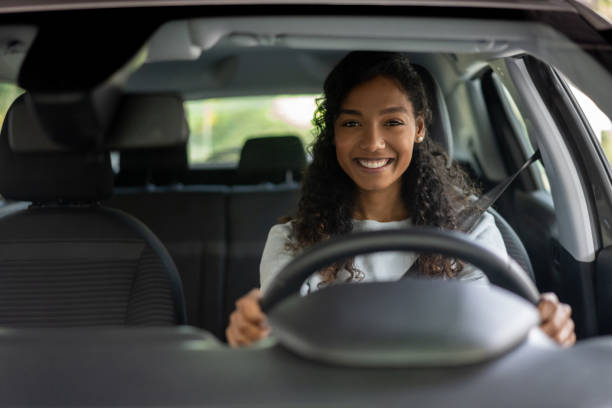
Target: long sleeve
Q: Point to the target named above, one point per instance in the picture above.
(275, 254)
(376, 267)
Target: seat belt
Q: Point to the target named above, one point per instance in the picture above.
(485, 202)
(488, 199)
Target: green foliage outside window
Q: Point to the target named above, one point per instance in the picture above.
(8, 93)
(603, 7)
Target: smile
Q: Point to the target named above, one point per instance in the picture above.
(374, 163)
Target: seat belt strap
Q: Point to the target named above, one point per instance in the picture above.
(484, 203)
(487, 200)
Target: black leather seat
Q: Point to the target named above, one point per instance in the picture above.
(440, 130)
(66, 260)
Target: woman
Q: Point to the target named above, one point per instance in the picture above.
(374, 168)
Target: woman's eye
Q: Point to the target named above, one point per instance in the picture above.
(350, 123)
(394, 123)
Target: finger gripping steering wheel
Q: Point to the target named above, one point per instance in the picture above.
(505, 273)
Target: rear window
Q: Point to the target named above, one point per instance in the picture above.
(219, 127)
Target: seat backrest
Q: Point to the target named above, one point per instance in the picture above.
(67, 261)
(440, 129)
(513, 243)
(254, 209)
(192, 224)
(273, 159)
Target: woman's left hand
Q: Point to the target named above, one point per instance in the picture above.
(556, 320)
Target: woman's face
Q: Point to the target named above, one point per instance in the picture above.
(375, 133)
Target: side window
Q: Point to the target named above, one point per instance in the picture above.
(8, 93)
(599, 123)
(603, 7)
(520, 129)
(219, 127)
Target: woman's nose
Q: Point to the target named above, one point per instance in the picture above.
(372, 140)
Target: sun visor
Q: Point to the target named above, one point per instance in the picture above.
(141, 121)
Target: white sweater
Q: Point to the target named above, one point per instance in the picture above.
(383, 266)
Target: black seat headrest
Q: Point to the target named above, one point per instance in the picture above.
(150, 114)
(440, 128)
(271, 159)
(53, 176)
(149, 121)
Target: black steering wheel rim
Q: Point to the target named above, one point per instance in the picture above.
(505, 273)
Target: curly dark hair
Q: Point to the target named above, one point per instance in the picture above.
(434, 191)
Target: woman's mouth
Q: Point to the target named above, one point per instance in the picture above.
(374, 163)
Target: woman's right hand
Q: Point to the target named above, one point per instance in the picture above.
(248, 323)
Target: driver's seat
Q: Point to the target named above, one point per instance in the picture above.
(441, 132)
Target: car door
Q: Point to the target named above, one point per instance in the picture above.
(576, 245)
(591, 282)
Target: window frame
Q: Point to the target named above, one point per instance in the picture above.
(522, 144)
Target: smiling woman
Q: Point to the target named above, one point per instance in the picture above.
(374, 168)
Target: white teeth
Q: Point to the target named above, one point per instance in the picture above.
(373, 164)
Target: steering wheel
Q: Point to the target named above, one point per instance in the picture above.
(505, 273)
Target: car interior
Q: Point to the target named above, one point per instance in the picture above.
(127, 226)
(219, 256)
(214, 220)
(475, 118)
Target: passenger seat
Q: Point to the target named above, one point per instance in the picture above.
(65, 260)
